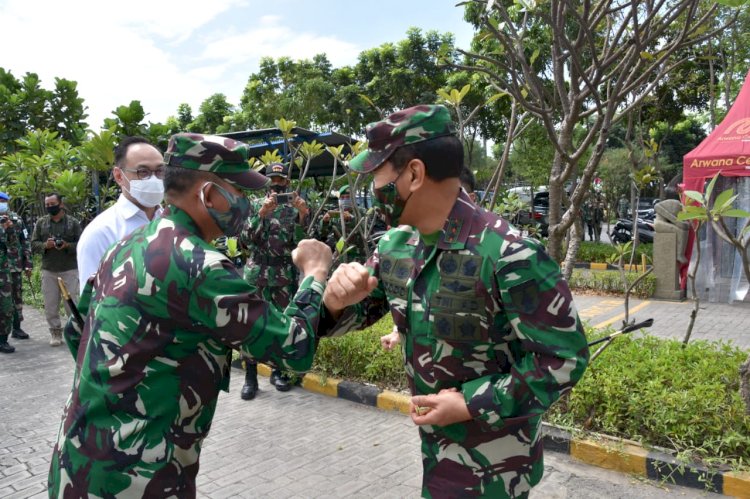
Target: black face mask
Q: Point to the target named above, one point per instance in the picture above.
(278, 188)
(53, 210)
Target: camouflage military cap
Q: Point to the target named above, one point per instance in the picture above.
(404, 127)
(222, 156)
(4, 196)
(277, 170)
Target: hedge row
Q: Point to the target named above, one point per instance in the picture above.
(593, 252)
(641, 388)
(610, 281)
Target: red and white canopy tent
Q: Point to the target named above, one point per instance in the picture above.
(725, 150)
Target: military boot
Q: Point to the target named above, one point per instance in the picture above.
(250, 388)
(56, 337)
(5, 347)
(19, 334)
(280, 381)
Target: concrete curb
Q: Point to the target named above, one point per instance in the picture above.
(604, 452)
(609, 266)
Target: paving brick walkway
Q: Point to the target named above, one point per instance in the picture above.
(297, 444)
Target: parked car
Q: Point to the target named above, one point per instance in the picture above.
(540, 212)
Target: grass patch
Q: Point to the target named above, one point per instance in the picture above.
(644, 389)
(32, 295)
(593, 252)
(359, 356)
(658, 393)
(610, 282)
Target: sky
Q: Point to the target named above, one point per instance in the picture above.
(165, 52)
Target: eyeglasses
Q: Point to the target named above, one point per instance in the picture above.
(146, 173)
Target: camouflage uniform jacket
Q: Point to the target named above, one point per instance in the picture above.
(330, 233)
(164, 312)
(270, 242)
(19, 245)
(6, 297)
(486, 312)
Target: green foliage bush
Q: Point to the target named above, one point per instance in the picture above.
(658, 393)
(593, 252)
(32, 297)
(359, 356)
(609, 281)
(645, 389)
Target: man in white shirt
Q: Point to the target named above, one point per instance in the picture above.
(138, 170)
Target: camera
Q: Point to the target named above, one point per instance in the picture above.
(284, 198)
(3, 219)
(59, 242)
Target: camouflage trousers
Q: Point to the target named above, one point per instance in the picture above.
(6, 304)
(471, 460)
(17, 292)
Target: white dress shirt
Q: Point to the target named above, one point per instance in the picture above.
(109, 227)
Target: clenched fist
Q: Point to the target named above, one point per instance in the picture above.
(349, 284)
(313, 258)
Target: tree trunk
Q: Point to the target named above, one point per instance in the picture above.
(574, 241)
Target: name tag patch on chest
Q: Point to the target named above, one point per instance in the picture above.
(461, 328)
(395, 275)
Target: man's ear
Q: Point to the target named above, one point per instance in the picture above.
(117, 175)
(418, 173)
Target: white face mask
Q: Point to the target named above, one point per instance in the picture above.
(149, 192)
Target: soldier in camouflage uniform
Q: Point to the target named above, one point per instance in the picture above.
(163, 313)
(19, 261)
(491, 337)
(277, 225)
(6, 296)
(330, 231)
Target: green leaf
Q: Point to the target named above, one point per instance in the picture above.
(733, 3)
(444, 95)
(736, 213)
(711, 185)
(534, 56)
(696, 196)
(463, 92)
(340, 245)
(496, 97)
(683, 215)
(725, 199)
(647, 56)
(694, 209)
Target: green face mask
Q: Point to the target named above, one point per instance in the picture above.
(387, 200)
(230, 222)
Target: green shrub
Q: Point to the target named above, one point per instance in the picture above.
(359, 356)
(644, 389)
(592, 252)
(32, 297)
(658, 393)
(609, 281)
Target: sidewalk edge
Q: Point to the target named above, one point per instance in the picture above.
(621, 456)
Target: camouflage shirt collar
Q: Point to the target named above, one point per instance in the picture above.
(458, 224)
(180, 217)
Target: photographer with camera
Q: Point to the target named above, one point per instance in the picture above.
(55, 237)
(274, 229)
